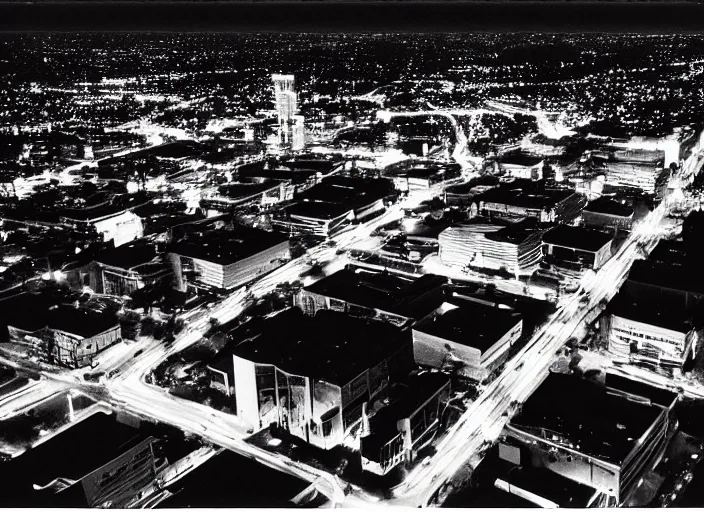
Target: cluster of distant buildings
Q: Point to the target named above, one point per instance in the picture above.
(545, 219)
(343, 361)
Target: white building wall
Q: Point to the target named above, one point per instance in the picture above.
(246, 394)
(672, 345)
(121, 228)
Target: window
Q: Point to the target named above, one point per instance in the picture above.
(327, 428)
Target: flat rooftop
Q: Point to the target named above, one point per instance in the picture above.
(309, 164)
(294, 176)
(513, 234)
(417, 390)
(520, 158)
(651, 312)
(231, 480)
(90, 214)
(242, 190)
(332, 346)
(129, 255)
(318, 209)
(116, 206)
(530, 198)
(353, 192)
(61, 456)
(595, 422)
(666, 275)
(656, 395)
(26, 311)
(610, 207)
(382, 291)
(469, 323)
(225, 246)
(510, 233)
(565, 493)
(579, 238)
(82, 322)
(669, 251)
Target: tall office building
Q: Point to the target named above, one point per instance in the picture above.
(286, 101)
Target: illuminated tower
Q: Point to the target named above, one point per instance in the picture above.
(286, 104)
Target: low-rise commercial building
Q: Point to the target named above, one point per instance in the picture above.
(122, 270)
(605, 213)
(225, 259)
(516, 249)
(637, 168)
(577, 248)
(643, 330)
(544, 488)
(366, 293)
(514, 204)
(79, 335)
(62, 334)
(471, 337)
(230, 480)
(521, 165)
(111, 222)
(230, 196)
(398, 431)
(333, 203)
(668, 252)
(424, 176)
(120, 463)
(461, 195)
(316, 380)
(589, 434)
(665, 282)
(317, 218)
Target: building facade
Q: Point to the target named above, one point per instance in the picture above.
(570, 439)
(77, 351)
(579, 248)
(312, 388)
(120, 227)
(548, 205)
(607, 214)
(491, 246)
(223, 260)
(646, 176)
(116, 484)
(400, 430)
(648, 342)
(470, 336)
(367, 294)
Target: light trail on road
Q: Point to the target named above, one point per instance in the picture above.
(482, 422)
(525, 371)
(133, 394)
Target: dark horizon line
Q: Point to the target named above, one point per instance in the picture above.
(357, 16)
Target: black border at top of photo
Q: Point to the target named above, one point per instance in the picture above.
(375, 16)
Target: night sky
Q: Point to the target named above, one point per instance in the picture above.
(321, 16)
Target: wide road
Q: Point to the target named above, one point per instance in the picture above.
(129, 391)
(484, 420)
